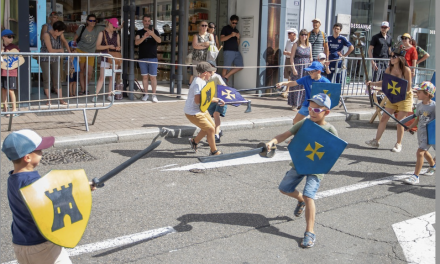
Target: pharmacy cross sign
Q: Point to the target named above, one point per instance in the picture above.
(360, 43)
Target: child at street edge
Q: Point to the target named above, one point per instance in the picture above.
(192, 109)
(24, 149)
(319, 108)
(425, 112)
(214, 109)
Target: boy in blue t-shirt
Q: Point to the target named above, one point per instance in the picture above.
(73, 72)
(24, 149)
(336, 43)
(314, 72)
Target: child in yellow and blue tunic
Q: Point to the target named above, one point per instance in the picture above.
(425, 112)
(214, 109)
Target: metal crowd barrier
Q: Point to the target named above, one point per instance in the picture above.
(31, 98)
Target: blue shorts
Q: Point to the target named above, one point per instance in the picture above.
(304, 110)
(73, 79)
(230, 56)
(214, 107)
(148, 68)
(292, 179)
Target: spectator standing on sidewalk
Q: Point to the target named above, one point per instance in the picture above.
(214, 109)
(380, 48)
(231, 39)
(9, 77)
(336, 43)
(200, 44)
(292, 34)
(85, 38)
(318, 39)
(410, 52)
(211, 30)
(108, 39)
(147, 39)
(53, 17)
(422, 55)
(51, 43)
(300, 58)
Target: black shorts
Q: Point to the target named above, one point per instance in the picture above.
(73, 79)
(12, 82)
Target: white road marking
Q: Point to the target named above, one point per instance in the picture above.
(166, 166)
(280, 156)
(116, 242)
(417, 238)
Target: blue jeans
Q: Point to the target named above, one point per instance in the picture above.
(231, 56)
(292, 179)
(148, 68)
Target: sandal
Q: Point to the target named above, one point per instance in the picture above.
(193, 144)
(80, 93)
(299, 209)
(63, 103)
(214, 153)
(308, 240)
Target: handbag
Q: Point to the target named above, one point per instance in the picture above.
(116, 54)
(212, 53)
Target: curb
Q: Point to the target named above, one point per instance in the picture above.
(187, 131)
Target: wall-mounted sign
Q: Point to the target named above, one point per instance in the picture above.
(361, 26)
(245, 46)
(345, 20)
(247, 27)
(292, 14)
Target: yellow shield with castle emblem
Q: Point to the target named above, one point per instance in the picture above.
(208, 92)
(60, 204)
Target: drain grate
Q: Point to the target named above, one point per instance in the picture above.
(65, 156)
(54, 113)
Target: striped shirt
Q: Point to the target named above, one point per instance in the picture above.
(317, 42)
(55, 43)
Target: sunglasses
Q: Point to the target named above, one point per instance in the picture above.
(10, 36)
(383, 27)
(92, 20)
(303, 35)
(211, 27)
(291, 33)
(316, 110)
(203, 25)
(310, 72)
(404, 38)
(322, 59)
(394, 56)
(234, 23)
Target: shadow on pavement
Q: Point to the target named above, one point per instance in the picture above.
(427, 191)
(358, 158)
(257, 221)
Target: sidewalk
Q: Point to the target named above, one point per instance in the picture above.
(134, 120)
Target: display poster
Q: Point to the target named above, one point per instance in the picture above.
(293, 9)
(33, 30)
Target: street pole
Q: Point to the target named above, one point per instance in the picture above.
(131, 44)
(126, 9)
(173, 44)
(24, 46)
(179, 76)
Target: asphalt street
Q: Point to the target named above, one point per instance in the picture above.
(233, 213)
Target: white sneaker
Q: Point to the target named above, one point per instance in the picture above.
(94, 99)
(397, 148)
(109, 98)
(413, 179)
(145, 97)
(154, 99)
(372, 143)
(430, 171)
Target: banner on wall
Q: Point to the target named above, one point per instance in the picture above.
(293, 9)
(33, 30)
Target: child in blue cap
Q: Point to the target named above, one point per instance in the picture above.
(319, 108)
(314, 72)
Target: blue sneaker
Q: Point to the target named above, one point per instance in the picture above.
(308, 240)
(430, 171)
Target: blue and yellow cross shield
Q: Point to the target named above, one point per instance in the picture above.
(60, 204)
(430, 127)
(394, 88)
(208, 92)
(333, 90)
(314, 150)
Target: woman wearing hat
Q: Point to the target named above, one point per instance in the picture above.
(411, 52)
(108, 40)
(292, 34)
(397, 68)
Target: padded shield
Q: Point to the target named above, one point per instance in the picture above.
(430, 127)
(10, 62)
(60, 204)
(314, 150)
(208, 92)
(394, 88)
(333, 90)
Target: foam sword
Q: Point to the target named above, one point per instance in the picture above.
(100, 182)
(261, 149)
(395, 119)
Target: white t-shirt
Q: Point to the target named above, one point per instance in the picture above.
(191, 108)
(289, 46)
(218, 80)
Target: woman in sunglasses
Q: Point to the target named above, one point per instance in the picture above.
(399, 69)
(211, 30)
(85, 38)
(200, 44)
(411, 52)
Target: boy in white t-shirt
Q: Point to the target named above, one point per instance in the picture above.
(192, 109)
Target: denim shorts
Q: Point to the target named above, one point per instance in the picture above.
(230, 56)
(214, 107)
(292, 179)
(304, 110)
(148, 68)
(73, 79)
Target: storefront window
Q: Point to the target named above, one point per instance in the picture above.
(361, 21)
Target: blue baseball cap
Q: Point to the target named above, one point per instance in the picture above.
(7, 32)
(316, 65)
(22, 142)
(72, 44)
(321, 99)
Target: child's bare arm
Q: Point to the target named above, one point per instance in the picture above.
(414, 124)
(279, 138)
